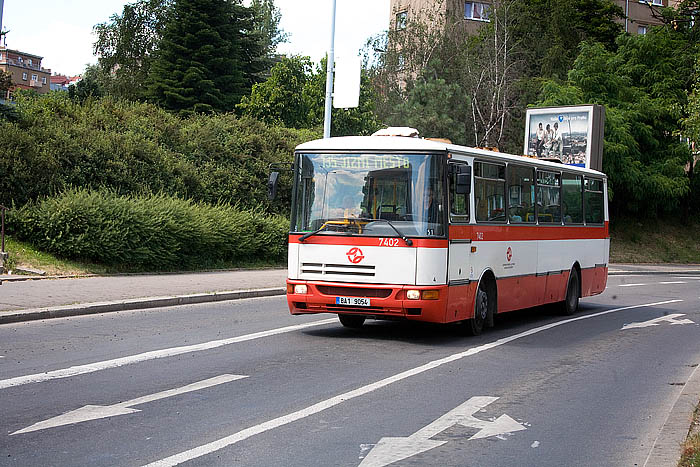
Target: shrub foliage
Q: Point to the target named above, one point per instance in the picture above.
(156, 232)
(133, 148)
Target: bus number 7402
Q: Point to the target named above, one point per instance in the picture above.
(389, 242)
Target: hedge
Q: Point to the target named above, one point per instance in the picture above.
(154, 232)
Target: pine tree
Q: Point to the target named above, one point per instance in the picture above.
(208, 57)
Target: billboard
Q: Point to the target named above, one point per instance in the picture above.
(572, 135)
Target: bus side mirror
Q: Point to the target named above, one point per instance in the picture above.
(464, 181)
(272, 185)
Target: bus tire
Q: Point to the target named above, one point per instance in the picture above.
(570, 303)
(352, 321)
(483, 307)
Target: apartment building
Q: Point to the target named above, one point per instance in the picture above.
(639, 14)
(25, 69)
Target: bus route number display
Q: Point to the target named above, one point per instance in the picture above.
(365, 161)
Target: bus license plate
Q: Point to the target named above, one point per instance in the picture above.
(352, 301)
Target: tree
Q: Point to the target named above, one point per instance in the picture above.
(643, 85)
(208, 58)
(267, 23)
(281, 99)
(126, 44)
(294, 96)
(5, 82)
(442, 79)
(89, 86)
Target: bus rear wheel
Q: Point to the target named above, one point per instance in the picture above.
(570, 303)
(352, 321)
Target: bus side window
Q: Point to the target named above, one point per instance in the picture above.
(594, 201)
(521, 194)
(572, 198)
(548, 197)
(459, 203)
(489, 192)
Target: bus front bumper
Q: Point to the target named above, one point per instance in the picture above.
(383, 300)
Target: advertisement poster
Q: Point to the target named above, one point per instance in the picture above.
(567, 134)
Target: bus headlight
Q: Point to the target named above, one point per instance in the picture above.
(413, 294)
(300, 289)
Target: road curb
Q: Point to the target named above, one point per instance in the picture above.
(653, 273)
(666, 450)
(18, 316)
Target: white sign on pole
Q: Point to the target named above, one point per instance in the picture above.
(346, 90)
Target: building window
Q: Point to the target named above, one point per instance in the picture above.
(401, 19)
(653, 2)
(642, 30)
(43, 80)
(30, 62)
(24, 76)
(35, 77)
(477, 11)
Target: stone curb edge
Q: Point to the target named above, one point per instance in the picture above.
(133, 304)
(666, 450)
(653, 273)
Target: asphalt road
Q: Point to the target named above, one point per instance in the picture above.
(245, 383)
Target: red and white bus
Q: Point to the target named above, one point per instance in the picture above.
(392, 227)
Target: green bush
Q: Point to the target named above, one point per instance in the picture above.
(155, 232)
(56, 144)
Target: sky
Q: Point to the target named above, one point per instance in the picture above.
(61, 31)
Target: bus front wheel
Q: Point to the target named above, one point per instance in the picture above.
(352, 321)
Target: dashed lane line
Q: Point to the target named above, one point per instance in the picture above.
(152, 355)
(630, 285)
(673, 282)
(339, 399)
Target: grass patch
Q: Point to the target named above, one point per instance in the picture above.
(23, 254)
(654, 241)
(691, 448)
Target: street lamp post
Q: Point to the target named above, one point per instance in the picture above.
(329, 78)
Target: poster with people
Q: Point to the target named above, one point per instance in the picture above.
(564, 134)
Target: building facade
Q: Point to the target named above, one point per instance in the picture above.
(639, 14)
(25, 69)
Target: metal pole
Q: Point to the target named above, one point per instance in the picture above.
(2, 229)
(329, 78)
(627, 12)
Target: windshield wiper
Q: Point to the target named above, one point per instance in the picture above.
(408, 241)
(309, 234)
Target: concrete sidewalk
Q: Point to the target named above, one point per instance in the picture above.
(40, 298)
(24, 298)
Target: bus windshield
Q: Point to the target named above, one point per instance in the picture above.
(358, 193)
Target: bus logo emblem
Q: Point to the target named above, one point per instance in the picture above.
(509, 254)
(355, 255)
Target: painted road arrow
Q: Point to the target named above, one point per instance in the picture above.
(671, 319)
(95, 412)
(390, 450)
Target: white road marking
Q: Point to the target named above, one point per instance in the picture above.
(695, 278)
(361, 391)
(630, 285)
(673, 282)
(392, 449)
(671, 319)
(95, 412)
(142, 357)
(536, 444)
